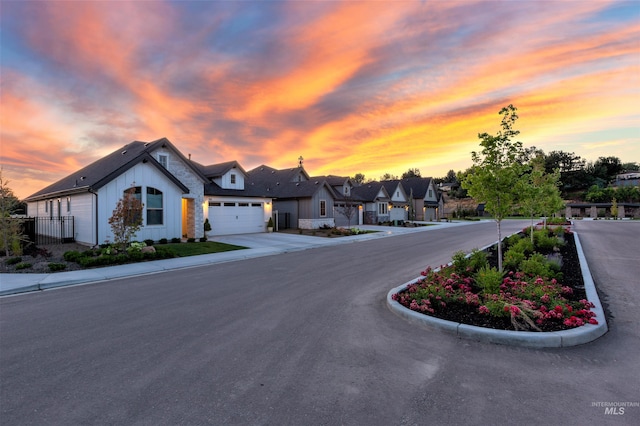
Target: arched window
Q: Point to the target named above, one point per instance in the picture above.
(154, 206)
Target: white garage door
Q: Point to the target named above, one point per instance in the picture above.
(236, 217)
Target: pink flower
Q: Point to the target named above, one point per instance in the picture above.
(593, 321)
(483, 309)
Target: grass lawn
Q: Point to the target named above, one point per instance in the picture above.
(194, 249)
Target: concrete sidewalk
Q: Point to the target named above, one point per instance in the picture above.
(262, 244)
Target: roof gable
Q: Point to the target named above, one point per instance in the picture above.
(102, 171)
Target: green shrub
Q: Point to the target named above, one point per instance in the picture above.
(510, 241)
(23, 265)
(512, 259)
(53, 266)
(203, 239)
(136, 255)
(176, 240)
(191, 240)
(489, 280)
(149, 242)
(544, 240)
(524, 245)
(72, 256)
(13, 260)
(163, 241)
(478, 260)
(537, 266)
(460, 263)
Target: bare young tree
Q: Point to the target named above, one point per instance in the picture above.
(349, 209)
(126, 219)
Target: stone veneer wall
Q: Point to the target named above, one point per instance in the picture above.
(315, 223)
(196, 191)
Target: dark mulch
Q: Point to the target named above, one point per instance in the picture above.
(572, 277)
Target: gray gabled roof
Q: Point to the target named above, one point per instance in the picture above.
(417, 186)
(217, 170)
(369, 192)
(285, 183)
(99, 173)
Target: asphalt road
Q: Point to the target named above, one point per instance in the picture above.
(305, 338)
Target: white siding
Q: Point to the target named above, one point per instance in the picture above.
(84, 213)
(224, 181)
(143, 175)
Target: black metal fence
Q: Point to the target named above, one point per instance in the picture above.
(49, 230)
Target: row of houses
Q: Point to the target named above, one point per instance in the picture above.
(179, 195)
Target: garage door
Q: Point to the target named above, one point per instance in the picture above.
(236, 218)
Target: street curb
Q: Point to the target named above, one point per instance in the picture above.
(555, 339)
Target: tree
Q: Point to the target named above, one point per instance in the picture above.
(349, 209)
(126, 219)
(388, 176)
(630, 167)
(496, 171)
(538, 192)
(606, 168)
(358, 179)
(411, 173)
(11, 233)
(451, 177)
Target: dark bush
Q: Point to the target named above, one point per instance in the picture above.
(176, 240)
(191, 240)
(53, 266)
(23, 265)
(203, 239)
(163, 241)
(149, 242)
(13, 260)
(73, 256)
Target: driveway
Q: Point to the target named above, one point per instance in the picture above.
(305, 338)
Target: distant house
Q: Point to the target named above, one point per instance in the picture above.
(347, 208)
(300, 202)
(399, 204)
(427, 203)
(169, 185)
(627, 179)
(375, 200)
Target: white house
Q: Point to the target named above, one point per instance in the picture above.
(170, 186)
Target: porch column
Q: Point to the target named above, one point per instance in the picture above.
(594, 212)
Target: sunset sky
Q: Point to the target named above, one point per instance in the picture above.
(354, 87)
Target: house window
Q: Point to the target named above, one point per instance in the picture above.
(323, 208)
(382, 209)
(68, 204)
(51, 208)
(233, 179)
(430, 193)
(229, 204)
(243, 204)
(163, 159)
(154, 206)
(214, 204)
(136, 192)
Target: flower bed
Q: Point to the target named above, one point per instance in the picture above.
(542, 288)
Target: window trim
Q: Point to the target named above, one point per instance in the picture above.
(163, 159)
(154, 209)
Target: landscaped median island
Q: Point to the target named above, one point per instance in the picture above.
(543, 297)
